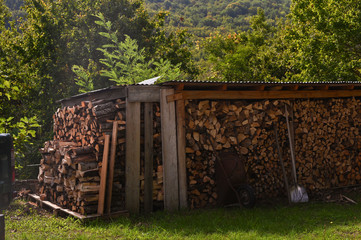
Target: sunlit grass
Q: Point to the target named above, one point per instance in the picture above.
(305, 221)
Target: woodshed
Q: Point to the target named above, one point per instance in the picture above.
(139, 148)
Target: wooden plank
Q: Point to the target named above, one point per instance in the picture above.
(103, 176)
(2, 227)
(132, 155)
(51, 205)
(113, 150)
(258, 88)
(148, 157)
(223, 87)
(35, 197)
(143, 93)
(179, 87)
(72, 213)
(169, 151)
(265, 94)
(181, 146)
(174, 97)
(350, 87)
(106, 94)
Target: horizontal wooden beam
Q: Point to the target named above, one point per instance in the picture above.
(174, 97)
(140, 93)
(263, 94)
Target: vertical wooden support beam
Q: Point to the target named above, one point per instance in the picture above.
(113, 151)
(169, 151)
(2, 227)
(103, 176)
(132, 157)
(181, 146)
(148, 157)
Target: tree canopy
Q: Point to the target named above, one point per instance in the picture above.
(50, 50)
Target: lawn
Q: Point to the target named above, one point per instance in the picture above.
(304, 221)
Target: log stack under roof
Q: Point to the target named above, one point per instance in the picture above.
(326, 135)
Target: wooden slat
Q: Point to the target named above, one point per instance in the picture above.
(264, 94)
(103, 176)
(132, 162)
(258, 88)
(74, 214)
(143, 93)
(223, 87)
(106, 94)
(148, 157)
(2, 227)
(174, 97)
(181, 146)
(179, 87)
(169, 151)
(113, 151)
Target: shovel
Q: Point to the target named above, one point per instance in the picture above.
(282, 164)
(297, 192)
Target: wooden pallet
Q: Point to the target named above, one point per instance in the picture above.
(59, 211)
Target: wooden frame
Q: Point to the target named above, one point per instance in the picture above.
(111, 166)
(233, 95)
(103, 175)
(181, 146)
(144, 94)
(132, 157)
(169, 151)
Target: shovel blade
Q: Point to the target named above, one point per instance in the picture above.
(298, 194)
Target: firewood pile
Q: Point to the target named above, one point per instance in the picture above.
(70, 169)
(326, 135)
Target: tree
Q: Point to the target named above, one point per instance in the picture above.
(328, 36)
(124, 62)
(236, 57)
(18, 79)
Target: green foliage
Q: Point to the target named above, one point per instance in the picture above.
(236, 57)
(37, 53)
(125, 63)
(328, 38)
(85, 77)
(205, 17)
(320, 42)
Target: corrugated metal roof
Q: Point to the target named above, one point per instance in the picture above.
(206, 85)
(259, 82)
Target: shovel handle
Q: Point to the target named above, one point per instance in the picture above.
(291, 146)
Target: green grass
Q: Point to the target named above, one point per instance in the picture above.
(305, 221)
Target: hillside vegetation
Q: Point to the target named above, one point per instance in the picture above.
(204, 16)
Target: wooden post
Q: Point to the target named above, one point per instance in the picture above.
(111, 166)
(2, 227)
(169, 151)
(148, 157)
(181, 145)
(132, 155)
(103, 177)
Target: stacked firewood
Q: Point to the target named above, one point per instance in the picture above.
(69, 176)
(158, 191)
(325, 135)
(328, 142)
(86, 123)
(71, 164)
